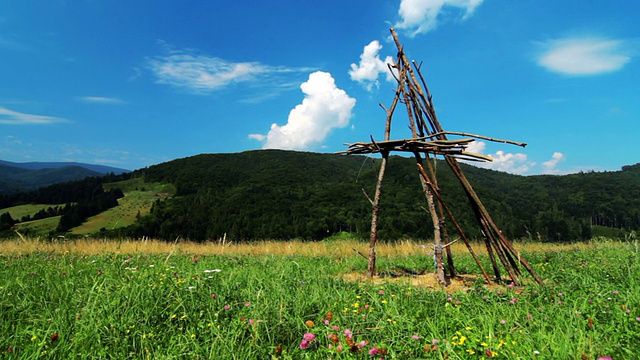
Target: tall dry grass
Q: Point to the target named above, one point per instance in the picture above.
(337, 248)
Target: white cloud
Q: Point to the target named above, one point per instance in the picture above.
(371, 66)
(515, 163)
(204, 74)
(549, 167)
(100, 100)
(11, 117)
(323, 108)
(421, 16)
(584, 55)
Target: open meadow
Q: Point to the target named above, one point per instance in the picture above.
(299, 300)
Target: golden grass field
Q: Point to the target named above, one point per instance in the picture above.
(337, 248)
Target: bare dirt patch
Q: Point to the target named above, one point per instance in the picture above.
(459, 283)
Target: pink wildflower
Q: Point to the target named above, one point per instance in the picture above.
(227, 307)
(373, 351)
(416, 337)
(309, 337)
(304, 344)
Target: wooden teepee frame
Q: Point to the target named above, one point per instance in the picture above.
(429, 139)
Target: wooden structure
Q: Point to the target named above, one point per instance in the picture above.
(429, 139)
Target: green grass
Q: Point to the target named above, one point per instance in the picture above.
(248, 307)
(37, 227)
(17, 212)
(138, 199)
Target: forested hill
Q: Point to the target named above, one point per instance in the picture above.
(274, 194)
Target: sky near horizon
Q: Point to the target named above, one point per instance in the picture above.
(131, 84)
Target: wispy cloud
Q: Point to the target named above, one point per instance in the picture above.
(371, 66)
(204, 74)
(584, 55)
(323, 108)
(11, 117)
(549, 167)
(422, 16)
(101, 100)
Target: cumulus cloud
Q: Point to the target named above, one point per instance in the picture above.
(204, 74)
(515, 163)
(100, 100)
(323, 108)
(370, 66)
(584, 55)
(11, 117)
(421, 16)
(549, 167)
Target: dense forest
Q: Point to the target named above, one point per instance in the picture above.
(281, 194)
(275, 194)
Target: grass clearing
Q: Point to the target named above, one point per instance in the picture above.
(17, 212)
(116, 299)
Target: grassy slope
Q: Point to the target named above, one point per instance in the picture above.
(17, 212)
(135, 201)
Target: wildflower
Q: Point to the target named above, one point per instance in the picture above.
(471, 351)
(615, 292)
(307, 338)
(193, 336)
(335, 328)
(536, 352)
(560, 294)
(309, 323)
(503, 321)
(334, 338)
(339, 348)
(251, 322)
(326, 322)
(605, 358)
(329, 315)
(195, 259)
(559, 302)
(347, 333)
(213, 296)
(247, 304)
(638, 319)
(227, 307)
(10, 349)
(490, 353)
(468, 328)
(373, 351)
(381, 292)
(54, 337)
(435, 341)
(416, 337)
(32, 273)
(529, 316)
(362, 344)
(513, 301)
(64, 272)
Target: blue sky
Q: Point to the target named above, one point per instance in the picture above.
(135, 83)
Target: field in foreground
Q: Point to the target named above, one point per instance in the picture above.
(93, 299)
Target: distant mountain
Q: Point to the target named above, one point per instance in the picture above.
(17, 177)
(102, 169)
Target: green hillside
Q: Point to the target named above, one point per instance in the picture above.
(274, 194)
